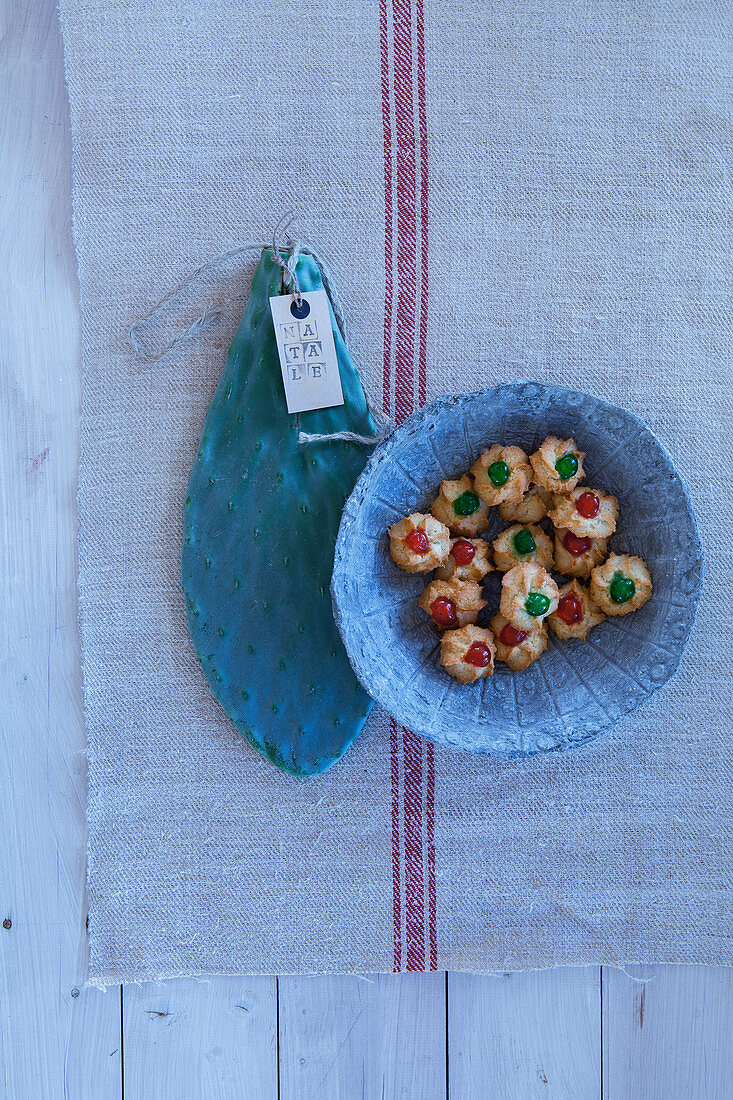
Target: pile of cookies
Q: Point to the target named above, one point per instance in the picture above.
(527, 490)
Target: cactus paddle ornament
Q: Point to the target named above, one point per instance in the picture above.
(260, 523)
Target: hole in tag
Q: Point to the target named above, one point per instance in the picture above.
(300, 309)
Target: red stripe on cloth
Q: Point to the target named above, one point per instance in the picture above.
(422, 390)
(413, 784)
(423, 125)
(388, 276)
(430, 830)
(386, 403)
(396, 877)
(414, 878)
(406, 210)
(406, 174)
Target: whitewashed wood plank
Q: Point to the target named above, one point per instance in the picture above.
(57, 1039)
(188, 1039)
(670, 1036)
(382, 1036)
(93, 1058)
(525, 1036)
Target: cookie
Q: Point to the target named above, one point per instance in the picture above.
(451, 604)
(586, 512)
(528, 596)
(458, 506)
(576, 557)
(419, 543)
(520, 543)
(501, 474)
(468, 560)
(557, 464)
(621, 584)
(468, 654)
(517, 648)
(576, 614)
(530, 509)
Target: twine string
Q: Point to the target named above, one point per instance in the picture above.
(290, 278)
(201, 323)
(383, 425)
(294, 249)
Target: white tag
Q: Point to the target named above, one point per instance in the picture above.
(307, 351)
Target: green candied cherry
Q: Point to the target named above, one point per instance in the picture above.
(621, 589)
(524, 542)
(567, 466)
(498, 474)
(536, 604)
(466, 504)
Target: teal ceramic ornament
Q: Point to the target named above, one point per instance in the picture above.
(260, 523)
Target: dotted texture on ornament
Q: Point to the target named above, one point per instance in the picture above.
(260, 522)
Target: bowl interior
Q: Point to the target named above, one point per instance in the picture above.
(575, 689)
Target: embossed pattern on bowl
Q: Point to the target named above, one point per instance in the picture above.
(576, 689)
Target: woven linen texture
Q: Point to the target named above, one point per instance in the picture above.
(508, 190)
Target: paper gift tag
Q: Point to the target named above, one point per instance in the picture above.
(307, 351)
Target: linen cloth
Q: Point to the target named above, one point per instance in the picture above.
(504, 190)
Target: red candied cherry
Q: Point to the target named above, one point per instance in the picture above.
(443, 611)
(463, 551)
(570, 608)
(575, 545)
(510, 636)
(418, 541)
(478, 655)
(587, 505)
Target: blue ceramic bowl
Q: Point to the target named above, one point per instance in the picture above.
(576, 689)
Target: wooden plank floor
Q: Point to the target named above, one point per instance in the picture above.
(661, 1032)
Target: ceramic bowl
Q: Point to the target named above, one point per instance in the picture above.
(576, 689)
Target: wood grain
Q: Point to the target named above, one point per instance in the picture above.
(58, 1039)
(521, 1036)
(189, 1039)
(375, 1036)
(668, 1036)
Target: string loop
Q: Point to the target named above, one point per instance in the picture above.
(294, 249)
(290, 278)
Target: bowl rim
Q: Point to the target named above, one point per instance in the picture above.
(354, 502)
